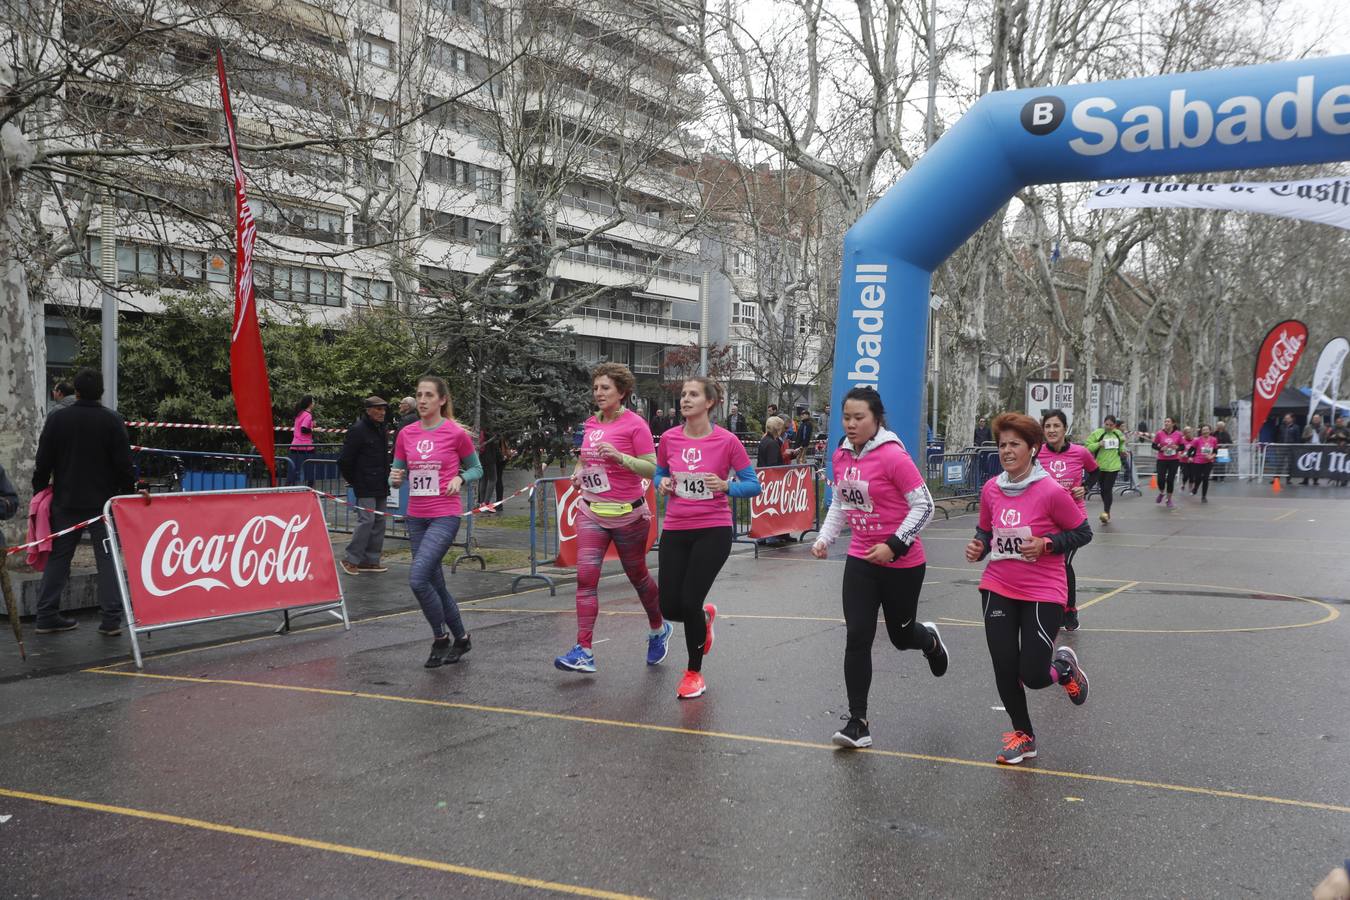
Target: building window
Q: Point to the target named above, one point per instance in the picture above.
(298, 284)
(300, 221)
(370, 292)
(741, 263)
(446, 56)
(490, 186)
(376, 174)
(489, 238)
(376, 50)
(745, 314)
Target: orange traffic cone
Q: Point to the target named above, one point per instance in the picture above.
(1153, 483)
(1275, 486)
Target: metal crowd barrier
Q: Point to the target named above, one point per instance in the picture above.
(543, 513)
(1245, 461)
(961, 475)
(322, 475)
(169, 471)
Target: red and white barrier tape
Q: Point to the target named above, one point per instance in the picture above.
(486, 507)
(195, 426)
(85, 524)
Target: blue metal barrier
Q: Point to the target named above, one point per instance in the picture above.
(541, 516)
(167, 471)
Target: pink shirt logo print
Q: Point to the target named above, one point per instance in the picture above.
(425, 447)
(597, 435)
(1010, 518)
(692, 456)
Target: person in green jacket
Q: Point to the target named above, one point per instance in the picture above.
(1108, 445)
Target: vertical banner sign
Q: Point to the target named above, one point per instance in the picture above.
(567, 507)
(1280, 352)
(786, 501)
(248, 365)
(1327, 376)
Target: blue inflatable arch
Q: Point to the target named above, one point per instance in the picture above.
(1271, 115)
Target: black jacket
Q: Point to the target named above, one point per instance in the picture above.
(770, 452)
(736, 423)
(85, 455)
(364, 460)
(9, 502)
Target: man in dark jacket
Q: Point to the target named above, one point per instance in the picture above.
(736, 423)
(364, 462)
(983, 435)
(85, 455)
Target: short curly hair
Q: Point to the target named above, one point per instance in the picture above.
(618, 373)
(1024, 426)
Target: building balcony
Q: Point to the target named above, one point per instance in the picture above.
(643, 270)
(612, 324)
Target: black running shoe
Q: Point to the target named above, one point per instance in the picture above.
(1070, 619)
(457, 650)
(60, 623)
(938, 658)
(854, 735)
(440, 648)
(1075, 682)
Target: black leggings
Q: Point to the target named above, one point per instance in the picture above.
(1073, 579)
(1167, 475)
(1021, 636)
(1107, 481)
(867, 588)
(689, 563)
(1202, 471)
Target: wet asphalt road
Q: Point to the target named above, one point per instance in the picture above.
(1211, 759)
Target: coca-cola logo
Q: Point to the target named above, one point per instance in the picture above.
(567, 512)
(782, 495)
(1283, 354)
(265, 551)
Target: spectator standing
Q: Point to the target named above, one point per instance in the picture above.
(806, 429)
(982, 433)
(1313, 433)
(364, 462)
(407, 414)
(9, 502)
(1289, 432)
(736, 423)
(302, 437)
(772, 411)
(85, 456)
(1221, 434)
(494, 455)
(770, 453)
(63, 395)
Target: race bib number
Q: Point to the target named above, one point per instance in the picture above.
(1110, 443)
(1008, 543)
(595, 480)
(693, 486)
(424, 482)
(854, 495)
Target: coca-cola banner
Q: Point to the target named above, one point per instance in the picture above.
(197, 556)
(568, 507)
(1280, 352)
(786, 501)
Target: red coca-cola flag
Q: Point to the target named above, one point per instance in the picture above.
(1280, 353)
(197, 556)
(248, 365)
(567, 507)
(786, 501)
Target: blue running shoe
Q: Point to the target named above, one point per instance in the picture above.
(578, 659)
(659, 644)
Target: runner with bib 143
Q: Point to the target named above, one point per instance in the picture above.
(692, 462)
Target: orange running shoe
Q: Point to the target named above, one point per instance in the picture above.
(709, 613)
(1017, 746)
(691, 686)
(1076, 681)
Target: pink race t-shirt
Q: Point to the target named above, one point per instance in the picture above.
(872, 490)
(1206, 447)
(693, 505)
(1067, 467)
(1169, 445)
(433, 457)
(607, 479)
(1042, 509)
(300, 440)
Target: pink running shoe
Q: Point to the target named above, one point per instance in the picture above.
(709, 613)
(691, 685)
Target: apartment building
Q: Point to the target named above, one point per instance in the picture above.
(391, 147)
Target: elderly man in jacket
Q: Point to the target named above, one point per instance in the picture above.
(364, 462)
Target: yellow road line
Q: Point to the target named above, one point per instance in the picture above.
(1108, 595)
(1284, 515)
(746, 738)
(311, 844)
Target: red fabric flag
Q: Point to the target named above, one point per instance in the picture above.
(248, 365)
(1275, 362)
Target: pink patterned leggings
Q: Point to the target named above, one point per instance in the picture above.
(592, 542)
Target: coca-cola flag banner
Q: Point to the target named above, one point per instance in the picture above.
(248, 365)
(1327, 375)
(786, 501)
(1324, 200)
(194, 556)
(1275, 362)
(567, 507)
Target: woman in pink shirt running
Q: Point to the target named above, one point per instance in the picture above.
(1203, 451)
(1067, 463)
(1027, 524)
(1170, 444)
(879, 492)
(616, 455)
(694, 466)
